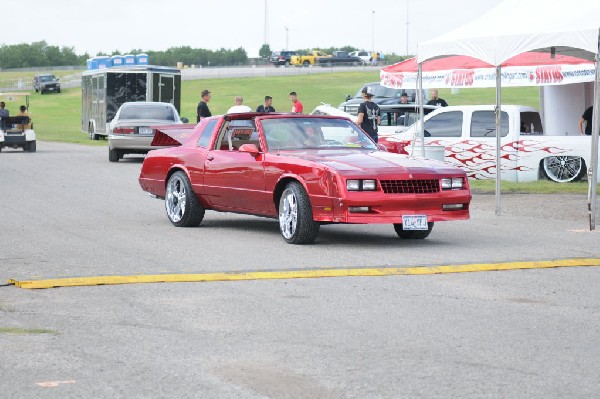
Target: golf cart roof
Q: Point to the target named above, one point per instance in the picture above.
(15, 94)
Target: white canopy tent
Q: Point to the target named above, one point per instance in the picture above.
(518, 26)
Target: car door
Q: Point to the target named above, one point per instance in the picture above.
(235, 180)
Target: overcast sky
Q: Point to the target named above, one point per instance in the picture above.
(107, 25)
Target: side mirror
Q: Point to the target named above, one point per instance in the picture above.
(252, 149)
(185, 120)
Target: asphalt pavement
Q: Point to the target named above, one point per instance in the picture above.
(68, 212)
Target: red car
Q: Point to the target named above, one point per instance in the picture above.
(304, 170)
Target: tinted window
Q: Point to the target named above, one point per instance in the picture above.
(447, 124)
(148, 112)
(483, 124)
(207, 134)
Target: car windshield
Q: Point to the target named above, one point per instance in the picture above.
(47, 78)
(311, 133)
(158, 112)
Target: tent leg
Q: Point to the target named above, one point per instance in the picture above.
(498, 138)
(593, 167)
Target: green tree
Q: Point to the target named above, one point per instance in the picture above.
(265, 51)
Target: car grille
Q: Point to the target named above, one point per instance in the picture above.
(410, 186)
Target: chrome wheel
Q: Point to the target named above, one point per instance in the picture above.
(562, 169)
(175, 200)
(288, 214)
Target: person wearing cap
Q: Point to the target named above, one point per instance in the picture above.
(369, 116)
(202, 111)
(404, 98)
(239, 106)
(267, 107)
(297, 106)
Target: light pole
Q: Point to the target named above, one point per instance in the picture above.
(287, 47)
(373, 36)
(407, 23)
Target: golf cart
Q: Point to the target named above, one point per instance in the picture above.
(16, 131)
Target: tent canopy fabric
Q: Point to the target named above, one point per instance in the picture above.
(518, 26)
(526, 69)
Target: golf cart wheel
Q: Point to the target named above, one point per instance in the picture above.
(182, 206)
(413, 234)
(30, 146)
(563, 169)
(296, 223)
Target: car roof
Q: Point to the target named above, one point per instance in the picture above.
(144, 103)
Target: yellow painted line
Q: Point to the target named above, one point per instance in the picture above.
(310, 273)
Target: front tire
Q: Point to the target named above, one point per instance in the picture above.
(564, 168)
(296, 223)
(413, 234)
(182, 206)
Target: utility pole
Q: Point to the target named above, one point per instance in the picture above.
(287, 44)
(265, 32)
(373, 36)
(407, 23)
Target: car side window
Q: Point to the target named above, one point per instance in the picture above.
(446, 124)
(207, 133)
(483, 124)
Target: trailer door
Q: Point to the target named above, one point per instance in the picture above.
(164, 88)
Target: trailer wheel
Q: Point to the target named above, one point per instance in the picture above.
(93, 135)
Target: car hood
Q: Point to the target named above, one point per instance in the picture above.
(379, 162)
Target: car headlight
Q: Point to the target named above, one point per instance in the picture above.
(361, 185)
(454, 183)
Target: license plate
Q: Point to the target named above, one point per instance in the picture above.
(414, 222)
(50, 88)
(145, 130)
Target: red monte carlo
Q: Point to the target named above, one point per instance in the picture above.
(303, 170)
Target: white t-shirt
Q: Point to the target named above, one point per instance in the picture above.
(239, 108)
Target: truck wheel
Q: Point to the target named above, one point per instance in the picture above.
(182, 206)
(306, 64)
(296, 223)
(287, 64)
(329, 64)
(564, 168)
(114, 155)
(355, 63)
(413, 234)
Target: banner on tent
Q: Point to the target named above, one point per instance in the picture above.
(540, 75)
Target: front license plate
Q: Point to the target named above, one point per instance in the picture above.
(145, 130)
(414, 222)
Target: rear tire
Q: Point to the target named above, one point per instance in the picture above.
(182, 206)
(296, 222)
(30, 146)
(413, 234)
(564, 168)
(114, 155)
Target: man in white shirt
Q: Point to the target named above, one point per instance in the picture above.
(239, 106)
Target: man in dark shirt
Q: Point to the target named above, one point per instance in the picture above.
(587, 119)
(369, 116)
(267, 107)
(202, 111)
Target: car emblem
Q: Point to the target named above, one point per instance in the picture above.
(410, 176)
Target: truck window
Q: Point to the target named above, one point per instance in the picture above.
(446, 124)
(483, 124)
(207, 134)
(531, 123)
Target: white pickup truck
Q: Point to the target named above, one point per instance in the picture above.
(468, 134)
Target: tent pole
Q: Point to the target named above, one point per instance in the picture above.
(498, 137)
(593, 170)
(420, 103)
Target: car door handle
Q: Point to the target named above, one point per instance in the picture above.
(210, 157)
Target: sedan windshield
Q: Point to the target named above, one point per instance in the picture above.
(311, 133)
(157, 112)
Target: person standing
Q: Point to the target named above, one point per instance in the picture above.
(267, 107)
(297, 106)
(3, 114)
(239, 106)
(436, 100)
(587, 119)
(202, 111)
(369, 116)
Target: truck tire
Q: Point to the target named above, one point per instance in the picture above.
(564, 168)
(287, 64)
(306, 64)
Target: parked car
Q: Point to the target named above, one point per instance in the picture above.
(132, 131)
(364, 55)
(382, 96)
(46, 84)
(279, 58)
(17, 131)
(304, 170)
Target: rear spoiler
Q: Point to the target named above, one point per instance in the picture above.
(171, 135)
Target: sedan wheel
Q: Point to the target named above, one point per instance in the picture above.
(295, 216)
(182, 205)
(562, 169)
